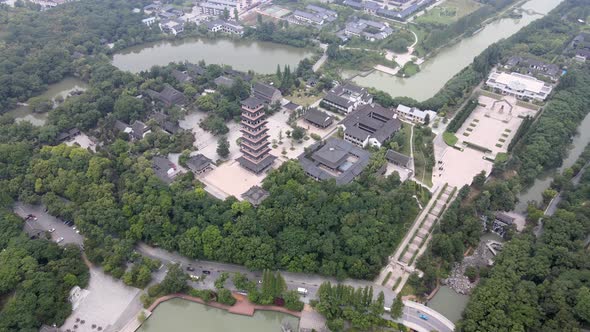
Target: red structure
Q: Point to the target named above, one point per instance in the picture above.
(255, 145)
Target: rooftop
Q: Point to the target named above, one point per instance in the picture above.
(334, 158)
(255, 195)
(371, 120)
(318, 117)
(198, 162)
(397, 158)
(519, 82)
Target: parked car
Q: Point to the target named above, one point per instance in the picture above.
(206, 272)
(59, 240)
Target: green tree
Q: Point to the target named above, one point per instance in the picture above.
(397, 307)
(223, 147)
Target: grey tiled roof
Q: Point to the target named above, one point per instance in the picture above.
(252, 102)
(397, 158)
(224, 81)
(255, 195)
(198, 162)
(259, 167)
(371, 120)
(318, 117)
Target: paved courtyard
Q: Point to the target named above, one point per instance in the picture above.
(104, 301)
(84, 141)
(459, 167)
(493, 125)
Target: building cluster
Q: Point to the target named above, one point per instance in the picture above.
(581, 47)
(533, 67)
(314, 15)
(366, 29)
(334, 159)
(521, 86)
(219, 7)
(171, 20)
(395, 9)
(346, 98)
(370, 125)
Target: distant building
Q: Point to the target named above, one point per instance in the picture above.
(346, 98)
(318, 118)
(139, 130)
(217, 7)
(169, 96)
(151, 8)
(255, 195)
(370, 125)
(315, 15)
(533, 67)
(521, 86)
(172, 26)
(334, 159)
(225, 27)
(123, 127)
(254, 145)
(398, 159)
(181, 77)
(369, 30)
(68, 135)
(224, 81)
(199, 164)
(167, 125)
(501, 223)
(582, 55)
(164, 169)
(414, 114)
(149, 21)
(266, 93)
(291, 106)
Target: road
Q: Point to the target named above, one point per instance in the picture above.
(320, 62)
(294, 280)
(311, 282)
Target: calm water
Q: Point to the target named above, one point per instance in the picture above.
(62, 88)
(261, 57)
(436, 71)
(449, 303)
(181, 315)
(535, 192)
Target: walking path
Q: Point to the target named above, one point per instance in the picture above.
(322, 60)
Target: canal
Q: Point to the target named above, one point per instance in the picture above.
(62, 88)
(436, 71)
(535, 192)
(182, 315)
(260, 57)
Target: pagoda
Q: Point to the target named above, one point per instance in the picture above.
(254, 145)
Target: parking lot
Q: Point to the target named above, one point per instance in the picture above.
(48, 222)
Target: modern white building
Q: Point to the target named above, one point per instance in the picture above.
(414, 114)
(346, 98)
(225, 27)
(217, 7)
(519, 85)
(149, 21)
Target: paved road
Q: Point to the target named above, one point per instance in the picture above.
(295, 280)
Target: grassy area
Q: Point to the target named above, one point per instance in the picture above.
(407, 290)
(386, 278)
(407, 130)
(450, 138)
(449, 12)
(423, 155)
(299, 97)
(501, 157)
(490, 94)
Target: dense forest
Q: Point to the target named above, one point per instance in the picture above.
(540, 283)
(35, 278)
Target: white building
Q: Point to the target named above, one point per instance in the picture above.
(519, 85)
(149, 21)
(217, 7)
(172, 26)
(414, 114)
(225, 27)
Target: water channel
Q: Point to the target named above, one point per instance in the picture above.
(62, 88)
(535, 192)
(261, 57)
(435, 72)
(181, 315)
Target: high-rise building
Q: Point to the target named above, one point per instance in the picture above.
(254, 145)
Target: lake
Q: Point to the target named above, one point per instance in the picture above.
(62, 88)
(436, 71)
(182, 315)
(260, 57)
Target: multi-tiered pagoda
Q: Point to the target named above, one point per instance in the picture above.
(255, 145)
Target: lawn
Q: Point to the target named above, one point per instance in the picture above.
(407, 130)
(423, 155)
(448, 12)
(450, 138)
(299, 97)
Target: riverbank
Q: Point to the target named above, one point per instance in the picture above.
(242, 306)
